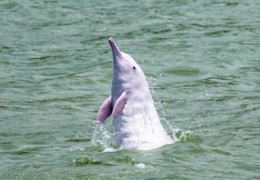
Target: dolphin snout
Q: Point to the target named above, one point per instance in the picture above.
(116, 51)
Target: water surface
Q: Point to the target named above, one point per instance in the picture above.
(202, 63)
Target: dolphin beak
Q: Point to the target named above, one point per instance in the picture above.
(116, 51)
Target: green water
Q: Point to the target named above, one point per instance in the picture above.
(202, 61)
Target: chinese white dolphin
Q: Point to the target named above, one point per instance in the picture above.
(135, 119)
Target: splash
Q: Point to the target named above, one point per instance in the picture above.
(103, 137)
(184, 136)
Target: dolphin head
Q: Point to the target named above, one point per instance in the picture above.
(126, 70)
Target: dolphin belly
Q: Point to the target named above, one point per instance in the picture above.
(138, 127)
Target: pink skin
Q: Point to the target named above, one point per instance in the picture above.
(116, 51)
(107, 108)
(114, 46)
(119, 105)
(135, 119)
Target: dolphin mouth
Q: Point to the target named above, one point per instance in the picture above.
(116, 51)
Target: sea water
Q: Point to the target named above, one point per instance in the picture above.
(202, 62)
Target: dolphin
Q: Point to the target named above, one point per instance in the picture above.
(135, 120)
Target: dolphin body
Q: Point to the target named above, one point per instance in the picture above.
(135, 119)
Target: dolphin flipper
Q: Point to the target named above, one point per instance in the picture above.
(105, 110)
(119, 105)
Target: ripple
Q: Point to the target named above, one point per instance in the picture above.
(55, 68)
(184, 71)
(90, 161)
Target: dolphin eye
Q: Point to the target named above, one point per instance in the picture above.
(134, 68)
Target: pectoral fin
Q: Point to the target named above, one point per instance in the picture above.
(119, 105)
(105, 110)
